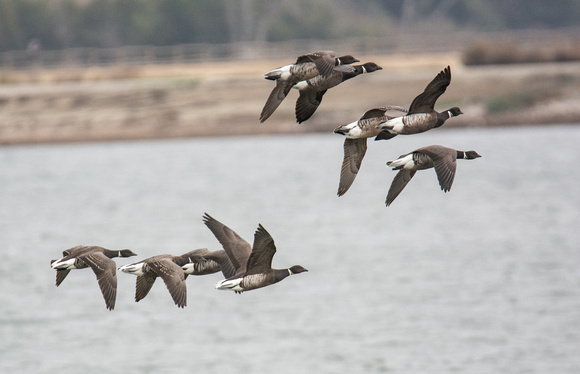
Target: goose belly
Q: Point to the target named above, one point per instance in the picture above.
(250, 282)
(416, 123)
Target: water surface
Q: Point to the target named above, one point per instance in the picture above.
(483, 279)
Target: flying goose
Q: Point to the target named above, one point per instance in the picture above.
(98, 259)
(441, 158)
(421, 115)
(306, 66)
(355, 144)
(207, 265)
(166, 266)
(312, 90)
(253, 265)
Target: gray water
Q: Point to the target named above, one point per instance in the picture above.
(483, 279)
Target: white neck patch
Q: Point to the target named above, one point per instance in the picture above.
(364, 69)
(290, 272)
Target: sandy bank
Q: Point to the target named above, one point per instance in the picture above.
(226, 98)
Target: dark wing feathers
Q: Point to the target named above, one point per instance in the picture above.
(385, 135)
(224, 262)
(174, 278)
(425, 102)
(60, 275)
(307, 103)
(399, 182)
(260, 260)
(143, 285)
(105, 270)
(237, 249)
(324, 61)
(354, 152)
(444, 163)
(278, 94)
(372, 113)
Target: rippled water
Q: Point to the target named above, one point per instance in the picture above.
(483, 279)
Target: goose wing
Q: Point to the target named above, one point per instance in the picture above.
(237, 249)
(278, 94)
(425, 102)
(373, 113)
(143, 285)
(105, 270)
(323, 60)
(174, 278)
(354, 152)
(307, 103)
(444, 163)
(260, 260)
(221, 257)
(60, 275)
(399, 182)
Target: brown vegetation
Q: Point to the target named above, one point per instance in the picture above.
(486, 52)
(226, 98)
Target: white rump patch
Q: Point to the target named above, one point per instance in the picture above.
(404, 162)
(135, 269)
(395, 124)
(301, 85)
(68, 264)
(188, 268)
(353, 131)
(233, 284)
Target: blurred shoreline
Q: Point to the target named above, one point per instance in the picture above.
(225, 98)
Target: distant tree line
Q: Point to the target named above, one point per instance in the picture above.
(59, 24)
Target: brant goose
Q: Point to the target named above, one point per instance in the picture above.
(421, 115)
(253, 265)
(355, 144)
(312, 90)
(433, 156)
(306, 66)
(208, 265)
(98, 259)
(169, 268)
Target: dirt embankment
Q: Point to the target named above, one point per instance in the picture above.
(226, 98)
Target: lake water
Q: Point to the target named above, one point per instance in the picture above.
(483, 279)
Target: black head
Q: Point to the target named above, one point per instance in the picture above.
(297, 269)
(369, 67)
(455, 111)
(346, 60)
(470, 155)
(126, 253)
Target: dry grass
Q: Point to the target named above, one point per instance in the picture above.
(226, 98)
(485, 52)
